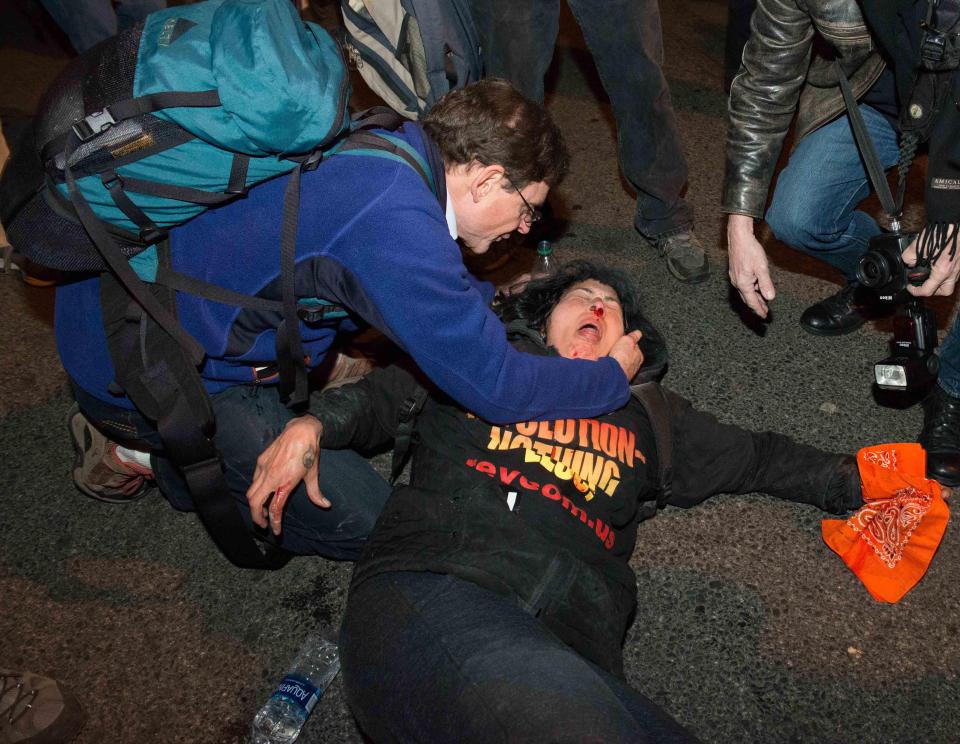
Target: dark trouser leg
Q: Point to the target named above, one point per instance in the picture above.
(430, 657)
(625, 39)
(941, 420)
(248, 419)
(940, 435)
(85, 22)
(517, 37)
(950, 361)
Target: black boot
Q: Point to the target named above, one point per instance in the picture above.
(840, 313)
(940, 436)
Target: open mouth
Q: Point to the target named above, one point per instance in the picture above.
(590, 332)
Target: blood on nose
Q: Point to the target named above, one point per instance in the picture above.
(598, 311)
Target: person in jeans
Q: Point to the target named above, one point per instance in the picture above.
(492, 599)
(814, 206)
(625, 40)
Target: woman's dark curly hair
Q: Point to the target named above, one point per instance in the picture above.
(533, 306)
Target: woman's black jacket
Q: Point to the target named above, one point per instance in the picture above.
(547, 513)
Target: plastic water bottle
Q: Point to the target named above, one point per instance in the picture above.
(280, 720)
(546, 263)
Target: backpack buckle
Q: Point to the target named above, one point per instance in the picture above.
(320, 313)
(90, 126)
(409, 409)
(111, 180)
(152, 234)
(312, 160)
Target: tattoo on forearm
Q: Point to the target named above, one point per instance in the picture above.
(309, 457)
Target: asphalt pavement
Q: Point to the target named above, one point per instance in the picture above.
(748, 629)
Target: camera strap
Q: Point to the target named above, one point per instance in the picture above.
(933, 241)
(940, 40)
(870, 158)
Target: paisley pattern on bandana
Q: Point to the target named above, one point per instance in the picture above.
(886, 459)
(886, 525)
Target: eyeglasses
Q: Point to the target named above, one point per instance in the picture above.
(530, 213)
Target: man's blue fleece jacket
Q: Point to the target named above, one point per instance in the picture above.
(374, 239)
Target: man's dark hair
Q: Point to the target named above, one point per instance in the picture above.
(533, 306)
(492, 123)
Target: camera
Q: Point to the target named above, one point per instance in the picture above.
(882, 269)
(912, 363)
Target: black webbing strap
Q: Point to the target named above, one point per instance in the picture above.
(114, 185)
(110, 252)
(216, 293)
(179, 193)
(199, 461)
(406, 425)
(293, 369)
(157, 376)
(377, 117)
(869, 153)
(185, 283)
(99, 121)
(293, 386)
(368, 141)
(654, 402)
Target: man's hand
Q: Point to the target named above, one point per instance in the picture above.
(943, 272)
(292, 457)
(749, 270)
(627, 353)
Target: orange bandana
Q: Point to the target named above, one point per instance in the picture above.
(891, 540)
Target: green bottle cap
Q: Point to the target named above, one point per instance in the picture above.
(544, 248)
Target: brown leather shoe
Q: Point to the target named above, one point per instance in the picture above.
(97, 469)
(36, 710)
(29, 272)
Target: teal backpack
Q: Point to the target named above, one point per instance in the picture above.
(168, 119)
(172, 117)
(148, 130)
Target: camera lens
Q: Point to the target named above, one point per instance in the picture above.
(873, 270)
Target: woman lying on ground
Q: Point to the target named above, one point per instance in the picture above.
(493, 597)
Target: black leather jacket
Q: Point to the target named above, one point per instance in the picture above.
(778, 79)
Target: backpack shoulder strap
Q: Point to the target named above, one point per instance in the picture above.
(654, 402)
(155, 372)
(387, 146)
(406, 424)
